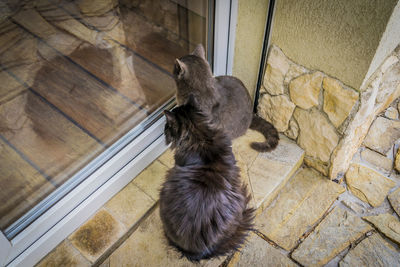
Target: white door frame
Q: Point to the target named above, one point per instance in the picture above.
(224, 36)
(59, 221)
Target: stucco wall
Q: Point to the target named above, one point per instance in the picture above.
(338, 37)
(250, 26)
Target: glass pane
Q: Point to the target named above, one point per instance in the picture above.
(75, 77)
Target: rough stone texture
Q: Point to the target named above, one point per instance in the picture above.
(276, 109)
(387, 224)
(294, 71)
(375, 97)
(338, 101)
(392, 113)
(354, 206)
(270, 171)
(95, 236)
(317, 136)
(304, 90)
(277, 66)
(394, 199)
(147, 246)
(258, 252)
(241, 147)
(266, 173)
(151, 179)
(397, 161)
(368, 185)
(293, 130)
(245, 156)
(129, 205)
(376, 159)
(372, 251)
(336, 232)
(320, 166)
(299, 205)
(382, 134)
(64, 255)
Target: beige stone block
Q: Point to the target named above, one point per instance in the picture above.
(294, 71)
(299, 205)
(64, 255)
(244, 175)
(304, 90)
(397, 161)
(354, 206)
(320, 166)
(270, 171)
(151, 179)
(241, 147)
(382, 135)
(167, 158)
(376, 159)
(277, 66)
(317, 136)
(375, 97)
(367, 184)
(129, 205)
(394, 199)
(387, 224)
(259, 252)
(293, 130)
(338, 101)
(336, 232)
(276, 109)
(392, 113)
(147, 246)
(98, 234)
(372, 251)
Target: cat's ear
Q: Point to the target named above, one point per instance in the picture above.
(199, 51)
(169, 116)
(180, 69)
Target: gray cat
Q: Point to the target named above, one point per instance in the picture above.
(224, 98)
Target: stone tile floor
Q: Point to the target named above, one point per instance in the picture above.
(303, 218)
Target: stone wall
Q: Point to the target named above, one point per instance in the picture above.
(380, 149)
(328, 119)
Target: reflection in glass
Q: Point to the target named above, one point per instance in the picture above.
(75, 76)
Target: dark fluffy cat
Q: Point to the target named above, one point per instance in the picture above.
(234, 113)
(203, 203)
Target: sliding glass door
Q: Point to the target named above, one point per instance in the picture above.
(82, 88)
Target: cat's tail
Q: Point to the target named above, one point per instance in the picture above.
(268, 130)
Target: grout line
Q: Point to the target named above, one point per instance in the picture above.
(268, 240)
(124, 237)
(162, 163)
(135, 184)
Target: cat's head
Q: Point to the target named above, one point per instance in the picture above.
(193, 69)
(185, 123)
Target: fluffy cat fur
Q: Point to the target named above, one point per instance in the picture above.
(224, 98)
(203, 203)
